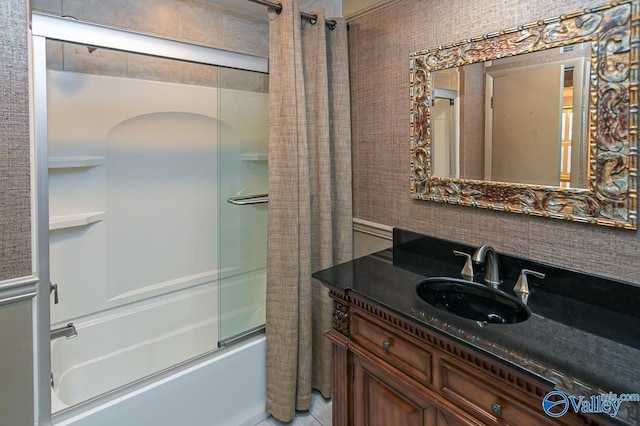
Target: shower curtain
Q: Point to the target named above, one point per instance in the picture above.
(310, 201)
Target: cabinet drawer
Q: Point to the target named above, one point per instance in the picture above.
(486, 401)
(399, 351)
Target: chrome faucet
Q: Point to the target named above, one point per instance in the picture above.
(522, 285)
(486, 255)
(69, 331)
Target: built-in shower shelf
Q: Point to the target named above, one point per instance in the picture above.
(75, 162)
(75, 220)
(255, 157)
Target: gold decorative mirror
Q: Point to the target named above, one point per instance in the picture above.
(539, 119)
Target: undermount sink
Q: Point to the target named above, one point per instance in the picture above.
(473, 301)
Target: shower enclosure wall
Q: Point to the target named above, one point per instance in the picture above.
(154, 192)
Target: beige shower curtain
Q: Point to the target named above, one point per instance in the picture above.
(310, 212)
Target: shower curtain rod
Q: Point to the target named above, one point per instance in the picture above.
(278, 8)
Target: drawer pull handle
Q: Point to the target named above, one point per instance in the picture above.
(386, 345)
(497, 409)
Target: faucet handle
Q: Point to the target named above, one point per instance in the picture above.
(53, 288)
(467, 269)
(522, 285)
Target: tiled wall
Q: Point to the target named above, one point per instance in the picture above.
(15, 203)
(379, 45)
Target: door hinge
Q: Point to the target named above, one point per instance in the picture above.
(492, 102)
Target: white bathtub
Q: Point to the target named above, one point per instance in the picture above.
(228, 389)
(120, 346)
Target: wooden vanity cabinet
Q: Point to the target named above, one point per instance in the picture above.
(382, 397)
(390, 371)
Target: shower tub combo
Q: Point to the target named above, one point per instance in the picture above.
(156, 279)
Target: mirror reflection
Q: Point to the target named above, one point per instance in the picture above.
(521, 119)
(538, 119)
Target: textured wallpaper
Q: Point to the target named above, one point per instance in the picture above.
(195, 21)
(15, 204)
(380, 44)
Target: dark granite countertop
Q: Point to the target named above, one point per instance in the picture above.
(583, 337)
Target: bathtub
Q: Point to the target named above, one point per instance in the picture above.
(227, 388)
(128, 344)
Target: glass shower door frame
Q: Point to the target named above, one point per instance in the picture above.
(47, 27)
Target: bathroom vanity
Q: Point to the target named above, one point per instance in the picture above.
(401, 361)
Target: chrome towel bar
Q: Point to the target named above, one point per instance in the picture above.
(249, 199)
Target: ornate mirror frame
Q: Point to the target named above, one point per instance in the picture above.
(613, 29)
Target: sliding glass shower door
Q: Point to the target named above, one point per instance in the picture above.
(243, 111)
(157, 181)
(133, 205)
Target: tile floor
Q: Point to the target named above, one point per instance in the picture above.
(318, 415)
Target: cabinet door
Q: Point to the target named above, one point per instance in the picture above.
(384, 397)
